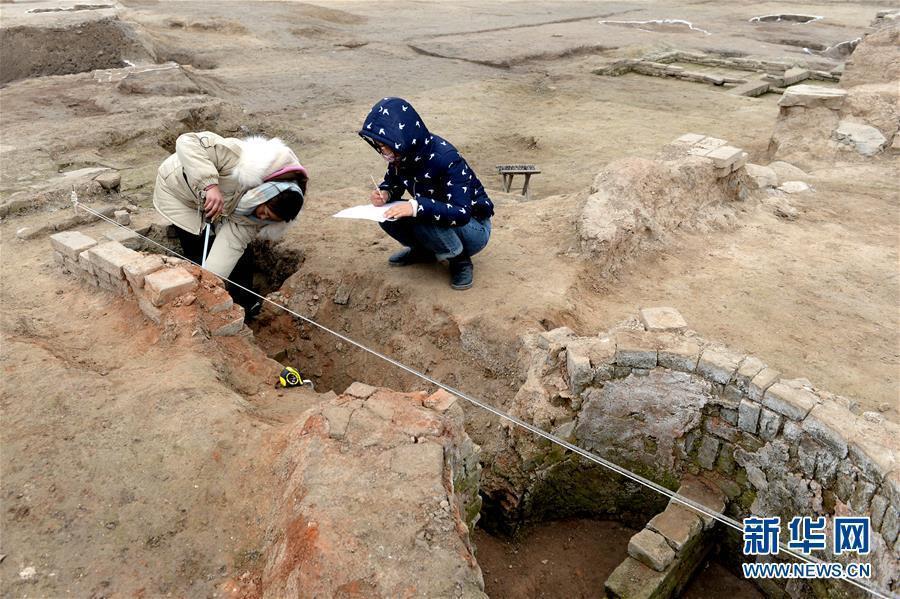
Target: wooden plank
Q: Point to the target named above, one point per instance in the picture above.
(517, 169)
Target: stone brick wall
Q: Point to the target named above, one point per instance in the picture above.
(165, 289)
(657, 398)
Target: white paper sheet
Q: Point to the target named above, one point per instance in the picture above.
(366, 212)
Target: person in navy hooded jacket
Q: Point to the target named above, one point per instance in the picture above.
(448, 215)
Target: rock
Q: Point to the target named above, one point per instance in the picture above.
(709, 451)
(651, 549)
(677, 525)
(360, 390)
(724, 156)
(794, 75)
(751, 89)
(440, 401)
(812, 96)
(702, 492)
(110, 181)
(136, 270)
(111, 257)
(678, 353)
(28, 573)
(123, 217)
(866, 140)
(718, 365)
(783, 209)
(167, 284)
(635, 350)
(763, 176)
(794, 187)
(662, 319)
(26, 233)
(789, 401)
(689, 139)
(71, 243)
(787, 171)
(126, 237)
(342, 295)
(578, 369)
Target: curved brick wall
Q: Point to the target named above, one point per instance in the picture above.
(659, 399)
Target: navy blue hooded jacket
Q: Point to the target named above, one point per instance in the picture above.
(430, 168)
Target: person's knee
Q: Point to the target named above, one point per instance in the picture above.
(444, 242)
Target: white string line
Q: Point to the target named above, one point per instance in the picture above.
(685, 501)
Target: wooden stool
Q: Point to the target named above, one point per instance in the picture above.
(508, 171)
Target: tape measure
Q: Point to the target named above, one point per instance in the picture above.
(290, 377)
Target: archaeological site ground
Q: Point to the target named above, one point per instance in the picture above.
(699, 292)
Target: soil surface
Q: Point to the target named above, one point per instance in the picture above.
(573, 558)
(124, 451)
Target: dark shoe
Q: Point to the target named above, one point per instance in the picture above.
(461, 272)
(252, 312)
(408, 256)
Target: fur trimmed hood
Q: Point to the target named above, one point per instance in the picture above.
(262, 157)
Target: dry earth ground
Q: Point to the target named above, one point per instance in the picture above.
(109, 437)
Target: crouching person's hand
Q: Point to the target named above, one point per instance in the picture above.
(378, 197)
(401, 210)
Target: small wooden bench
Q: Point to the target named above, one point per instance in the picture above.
(508, 171)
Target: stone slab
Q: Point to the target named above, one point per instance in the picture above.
(71, 243)
(677, 525)
(231, 325)
(749, 368)
(761, 382)
(795, 75)
(651, 549)
(789, 401)
(634, 580)
(689, 138)
(167, 284)
(830, 424)
(111, 257)
(360, 390)
(662, 319)
(126, 237)
(724, 156)
(138, 269)
(635, 349)
(748, 416)
(703, 492)
(718, 365)
(811, 96)
(751, 89)
(678, 353)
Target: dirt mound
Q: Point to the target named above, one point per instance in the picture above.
(37, 51)
(637, 202)
(876, 59)
(371, 498)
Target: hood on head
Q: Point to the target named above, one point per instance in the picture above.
(395, 123)
(260, 158)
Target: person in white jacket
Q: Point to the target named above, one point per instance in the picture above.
(248, 188)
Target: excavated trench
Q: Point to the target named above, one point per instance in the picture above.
(542, 529)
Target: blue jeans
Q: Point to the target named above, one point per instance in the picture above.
(445, 242)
